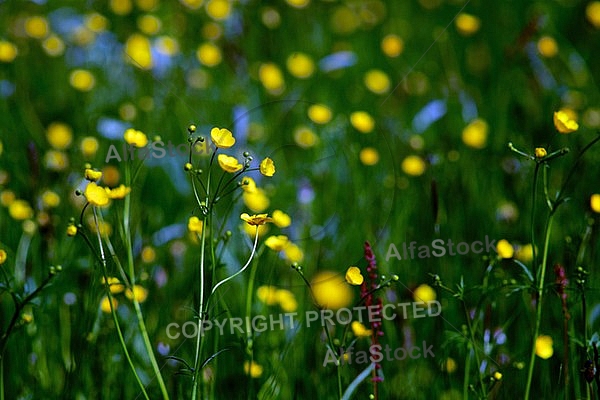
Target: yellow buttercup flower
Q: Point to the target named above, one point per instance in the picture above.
(228, 163)
(209, 54)
(149, 24)
(96, 22)
(71, 230)
(3, 256)
(354, 277)
(53, 45)
(267, 167)
(92, 175)
(248, 185)
(298, 3)
(544, 347)
(82, 80)
(271, 78)
(135, 138)
(497, 376)
(505, 249)
(595, 202)
(119, 192)
(218, 9)
(20, 210)
(369, 156)
(300, 65)
(8, 51)
(293, 253)
(96, 195)
(319, 114)
(105, 305)
(36, 27)
(267, 294)
(138, 292)
(138, 51)
(257, 219)
(377, 81)
(7, 197)
(540, 152)
(59, 135)
(524, 253)
(564, 123)
(392, 45)
(167, 45)
(281, 219)
(362, 121)
(475, 134)
(89, 146)
(195, 224)
(192, 4)
(114, 284)
(50, 199)
(592, 13)
(277, 243)
(547, 46)
(331, 291)
(360, 330)
(467, 24)
(424, 293)
(413, 165)
(305, 137)
(286, 299)
(56, 160)
(222, 138)
(148, 254)
(256, 201)
(253, 369)
(121, 7)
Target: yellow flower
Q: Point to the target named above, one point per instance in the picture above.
(105, 304)
(392, 45)
(319, 113)
(271, 78)
(149, 24)
(450, 365)
(135, 138)
(267, 294)
(222, 138)
(92, 175)
(277, 243)
(71, 230)
(228, 163)
(524, 253)
(592, 13)
(192, 4)
(467, 24)
(287, 300)
(298, 3)
(148, 254)
(377, 81)
(256, 219)
(497, 376)
(248, 185)
(8, 51)
(360, 330)
(330, 290)
(540, 152)
(293, 253)
(82, 80)
(50, 199)
(281, 219)
(300, 65)
(256, 201)
(167, 45)
(595, 202)
(195, 224)
(305, 137)
(218, 9)
(59, 135)
(564, 123)
(547, 46)
(253, 369)
(3, 256)
(36, 27)
(362, 121)
(56, 160)
(369, 156)
(119, 192)
(121, 7)
(543, 347)
(413, 165)
(267, 167)
(96, 22)
(140, 293)
(354, 277)
(475, 134)
(53, 45)
(209, 54)
(7, 197)
(89, 146)
(138, 51)
(96, 195)
(424, 293)
(20, 210)
(114, 284)
(505, 249)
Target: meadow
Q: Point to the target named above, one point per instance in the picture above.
(331, 199)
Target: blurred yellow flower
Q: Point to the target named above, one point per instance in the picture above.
(424, 293)
(253, 369)
(114, 284)
(8, 51)
(92, 175)
(271, 78)
(105, 304)
(287, 300)
(218, 9)
(497, 376)
(450, 365)
(524, 253)
(354, 277)
(195, 224)
(413, 165)
(96, 195)
(248, 185)
(543, 347)
(267, 294)
(305, 137)
(547, 46)
(267, 167)
(119, 192)
(319, 113)
(149, 24)
(56, 160)
(222, 138)
(20, 210)
(50, 199)
(192, 4)
(592, 13)
(36, 27)
(475, 134)
(71, 230)
(82, 80)
(138, 51)
(362, 121)
(212, 31)
(3, 256)
(298, 3)
(377, 81)
(167, 45)
(135, 138)
(228, 163)
(277, 243)
(505, 249)
(110, 175)
(53, 45)
(369, 156)
(360, 330)
(138, 292)
(293, 253)
(595, 202)
(209, 54)
(121, 7)
(96, 22)
(257, 219)
(300, 65)
(256, 201)
(59, 135)
(281, 219)
(467, 24)
(564, 123)
(89, 146)
(7, 197)
(330, 290)
(392, 45)
(148, 254)
(540, 152)
(147, 5)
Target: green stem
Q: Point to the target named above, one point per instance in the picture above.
(474, 348)
(466, 379)
(249, 333)
(199, 342)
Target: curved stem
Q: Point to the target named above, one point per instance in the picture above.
(214, 289)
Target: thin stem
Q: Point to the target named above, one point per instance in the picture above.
(474, 348)
(200, 314)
